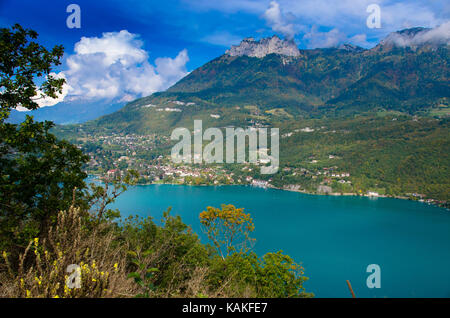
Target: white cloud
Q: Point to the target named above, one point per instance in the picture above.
(278, 21)
(317, 39)
(360, 40)
(116, 67)
(122, 47)
(172, 69)
(440, 34)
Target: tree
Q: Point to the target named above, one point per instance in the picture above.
(24, 62)
(273, 275)
(99, 197)
(228, 228)
(38, 172)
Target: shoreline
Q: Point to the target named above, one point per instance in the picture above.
(337, 194)
(400, 197)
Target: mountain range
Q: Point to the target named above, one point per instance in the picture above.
(272, 78)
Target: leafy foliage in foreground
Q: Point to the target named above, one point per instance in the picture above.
(22, 61)
(38, 172)
(141, 259)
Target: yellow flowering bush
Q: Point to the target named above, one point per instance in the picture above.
(228, 228)
(98, 264)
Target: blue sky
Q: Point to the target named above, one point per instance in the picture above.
(158, 42)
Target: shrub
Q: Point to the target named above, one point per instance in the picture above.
(42, 268)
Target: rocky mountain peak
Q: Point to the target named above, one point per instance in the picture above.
(263, 47)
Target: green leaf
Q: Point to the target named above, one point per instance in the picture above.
(133, 275)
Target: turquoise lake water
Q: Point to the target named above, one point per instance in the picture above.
(335, 238)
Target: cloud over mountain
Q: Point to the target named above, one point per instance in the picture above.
(278, 21)
(419, 36)
(317, 39)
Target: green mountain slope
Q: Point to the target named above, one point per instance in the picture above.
(401, 79)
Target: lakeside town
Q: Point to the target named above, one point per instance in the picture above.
(111, 155)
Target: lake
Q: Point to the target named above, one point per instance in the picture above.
(334, 238)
